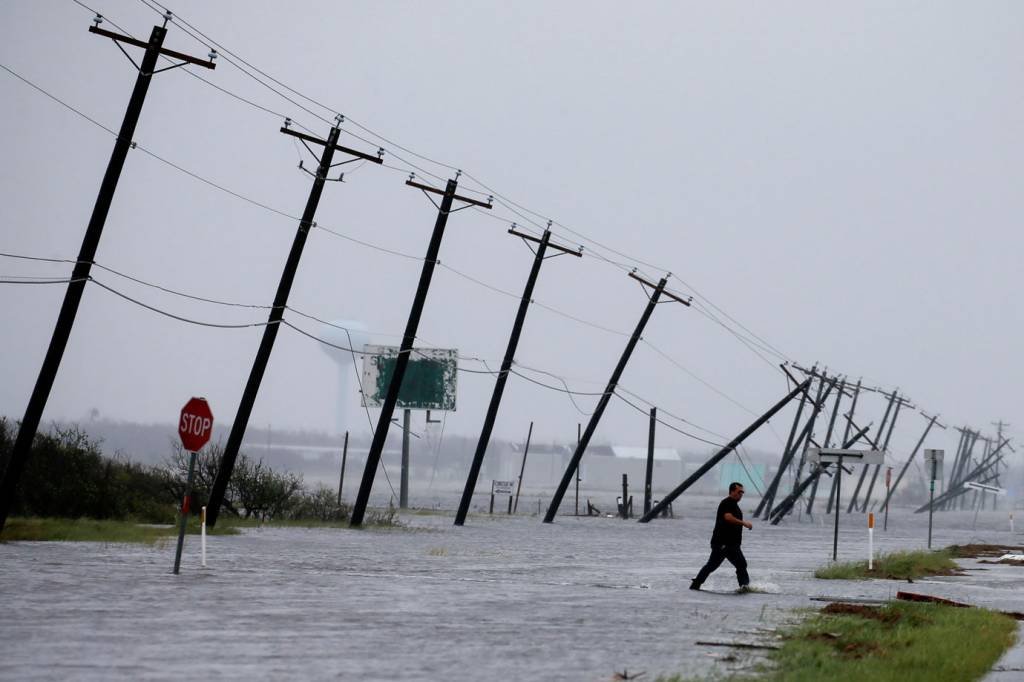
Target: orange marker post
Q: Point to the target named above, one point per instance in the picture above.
(871, 541)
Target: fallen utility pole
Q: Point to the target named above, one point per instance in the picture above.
(877, 439)
(609, 390)
(789, 444)
(387, 409)
(22, 449)
(506, 364)
(284, 287)
(820, 399)
(807, 441)
(892, 489)
(721, 454)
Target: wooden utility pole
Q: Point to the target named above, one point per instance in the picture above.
(657, 291)
(22, 449)
(506, 364)
(448, 197)
(284, 287)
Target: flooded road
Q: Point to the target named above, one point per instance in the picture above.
(501, 598)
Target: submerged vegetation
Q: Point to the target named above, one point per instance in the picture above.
(95, 530)
(70, 491)
(895, 566)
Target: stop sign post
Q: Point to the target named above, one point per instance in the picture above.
(194, 427)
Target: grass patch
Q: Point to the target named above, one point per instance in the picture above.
(93, 530)
(895, 566)
(899, 641)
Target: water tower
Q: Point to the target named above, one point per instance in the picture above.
(345, 335)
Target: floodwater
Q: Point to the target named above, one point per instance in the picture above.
(500, 598)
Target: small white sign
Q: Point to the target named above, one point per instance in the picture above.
(985, 487)
(830, 455)
(503, 487)
(933, 463)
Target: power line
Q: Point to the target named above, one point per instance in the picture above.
(207, 41)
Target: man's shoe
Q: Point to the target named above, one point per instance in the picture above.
(694, 585)
(744, 589)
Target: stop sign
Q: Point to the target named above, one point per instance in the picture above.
(195, 425)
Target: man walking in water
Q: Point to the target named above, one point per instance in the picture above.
(726, 538)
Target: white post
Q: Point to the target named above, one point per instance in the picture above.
(1011, 522)
(203, 534)
(871, 541)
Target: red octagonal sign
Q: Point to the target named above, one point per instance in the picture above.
(195, 425)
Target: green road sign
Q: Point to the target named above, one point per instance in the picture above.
(429, 382)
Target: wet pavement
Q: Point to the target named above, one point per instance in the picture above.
(501, 598)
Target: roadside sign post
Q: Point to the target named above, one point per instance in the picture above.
(502, 488)
(836, 456)
(194, 427)
(933, 457)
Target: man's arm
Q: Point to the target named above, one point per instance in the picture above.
(729, 518)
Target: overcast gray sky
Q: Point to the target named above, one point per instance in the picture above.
(841, 179)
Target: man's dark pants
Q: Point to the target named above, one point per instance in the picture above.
(720, 553)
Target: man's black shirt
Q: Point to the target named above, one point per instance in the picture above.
(727, 533)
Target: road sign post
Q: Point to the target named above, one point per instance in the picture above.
(194, 427)
(933, 457)
(836, 456)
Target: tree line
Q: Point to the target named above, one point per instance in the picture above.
(68, 476)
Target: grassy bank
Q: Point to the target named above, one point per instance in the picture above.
(899, 641)
(92, 530)
(895, 566)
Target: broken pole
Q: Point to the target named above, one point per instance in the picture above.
(666, 501)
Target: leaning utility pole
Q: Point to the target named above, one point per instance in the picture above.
(380, 434)
(932, 421)
(770, 492)
(259, 365)
(22, 449)
(877, 439)
(900, 402)
(506, 364)
(609, 390)
(820, 399)
(721, 454)
(832, 496)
